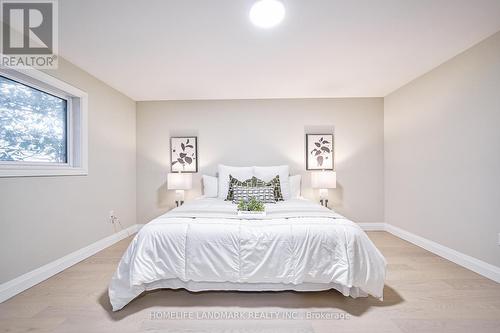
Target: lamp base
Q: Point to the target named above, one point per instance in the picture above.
(323, 195)
(179, 197)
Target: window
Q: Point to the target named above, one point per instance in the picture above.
(42, 126)
(33, 124)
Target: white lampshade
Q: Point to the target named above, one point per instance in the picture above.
(179, 181)
(324, 179)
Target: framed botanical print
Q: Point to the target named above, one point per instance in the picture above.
(184, 154)
(319, 152)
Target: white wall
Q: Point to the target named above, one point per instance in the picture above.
(265, 132)
(442, 153)
(45, 218)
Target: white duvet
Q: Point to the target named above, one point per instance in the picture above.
(204, 245)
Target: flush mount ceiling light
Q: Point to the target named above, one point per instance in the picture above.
(267, 13)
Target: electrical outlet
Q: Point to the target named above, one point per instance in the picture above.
(499, 239)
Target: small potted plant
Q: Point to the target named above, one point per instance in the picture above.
(252, 208)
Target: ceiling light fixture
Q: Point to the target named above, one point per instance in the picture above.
(267, 13)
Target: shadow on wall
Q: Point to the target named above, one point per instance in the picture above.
(336, 197)
(163, 196)
(183, 300)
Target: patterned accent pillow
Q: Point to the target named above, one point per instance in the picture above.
(264, 194)
(254, 181)
(235, 182)
(275, 183)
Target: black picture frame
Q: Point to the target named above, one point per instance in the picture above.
(314, 160)
(176, 149)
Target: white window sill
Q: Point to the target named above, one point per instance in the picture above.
(42, 172)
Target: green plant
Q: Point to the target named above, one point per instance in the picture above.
(242, 205)
(253, 205)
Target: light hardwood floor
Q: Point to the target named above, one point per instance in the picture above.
(423, 293)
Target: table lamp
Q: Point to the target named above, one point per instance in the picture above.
(179, 182)
(324, 180)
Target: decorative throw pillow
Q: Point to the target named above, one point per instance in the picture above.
(263, 194)
(254, 181)
(275, 183)
(237, 172)
(235, 182)
(267, 173)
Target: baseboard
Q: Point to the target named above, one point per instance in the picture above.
(28, 280)
(480, 267)
(372, 226)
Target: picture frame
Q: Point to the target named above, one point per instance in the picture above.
(320, 152)
(184, 154)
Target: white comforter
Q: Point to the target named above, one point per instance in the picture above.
(202, 245)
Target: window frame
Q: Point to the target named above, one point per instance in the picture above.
(76, 127)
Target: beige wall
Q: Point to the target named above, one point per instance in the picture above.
(265, 132)
(45, 218)
(442, 153)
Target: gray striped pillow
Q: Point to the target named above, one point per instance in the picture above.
(254, 181)
(263, 194)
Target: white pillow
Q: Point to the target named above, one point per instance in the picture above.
(240, 173)
(210, 185)
(268, 173)
(295, 186)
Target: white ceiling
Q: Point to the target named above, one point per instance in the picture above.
(208, 49)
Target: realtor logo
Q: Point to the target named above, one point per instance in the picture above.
(29, 33)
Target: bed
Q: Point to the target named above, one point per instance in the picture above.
(204, 245)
